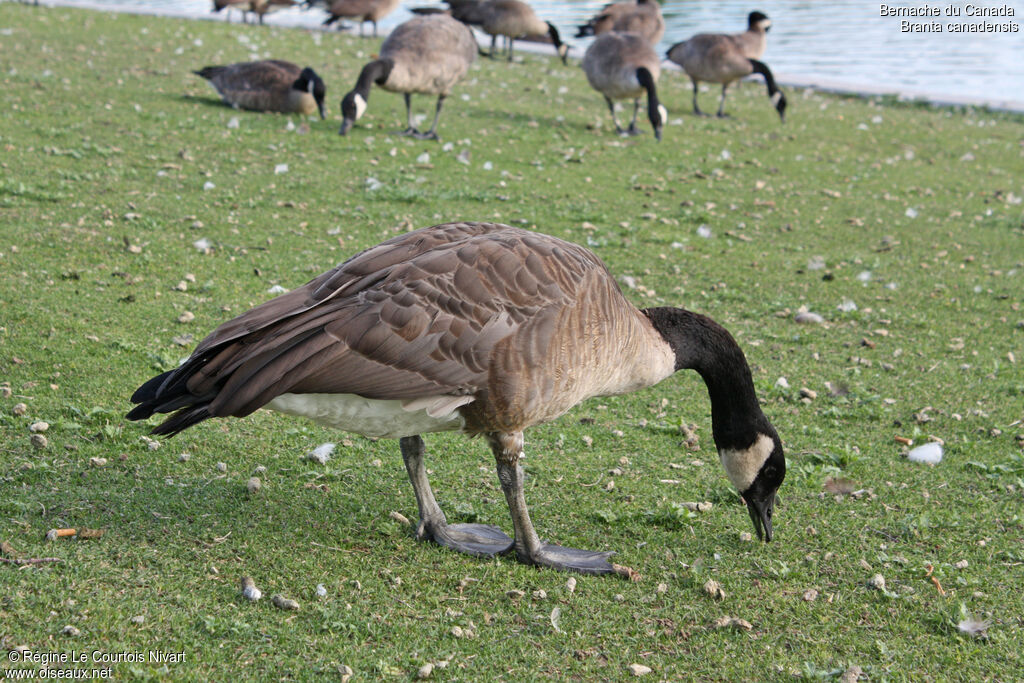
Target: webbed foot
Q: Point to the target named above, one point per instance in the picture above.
(570, 559)
(481, 540)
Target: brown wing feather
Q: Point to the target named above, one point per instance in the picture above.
(415, 316)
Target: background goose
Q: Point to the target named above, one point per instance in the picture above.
(624, 66)
(642, 17)
(427, 54)
(472, 327)
(241, 5)
(723, 58)
(512, 19)
(269, 85)
(363, 10)
(263, 7)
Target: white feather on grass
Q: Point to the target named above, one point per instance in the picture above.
(930, 453)
(321, 453)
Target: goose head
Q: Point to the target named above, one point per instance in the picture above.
(309, 81)
(757, 471)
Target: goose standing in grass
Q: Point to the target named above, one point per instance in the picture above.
(724, 58)
(624, 66)
(427, 54)
(642, 17)
(241, 5)
(363, 10)
(473, 327)
(268, 85)
(512, 19)
(263, 7)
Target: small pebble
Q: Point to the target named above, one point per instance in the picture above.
(322, 453)
(186, 317)
(284, 603)
(746, 536)
(39, 441)
(222, 467)
(184, 457)
(346, 673)
(249, 589)
(458, 632)
(639, 669)
(321, 590)
(962, 564)
(515, 594)
(140, 619)
(540, 594)
(71, 631)
(428, 668)
(98, 462)
(253, 485)
(5, 392)
(877, 581)
(808, 393)
(260, 469)
(19, 409)
(570, 585)
(39, 426)
(732, 622)
(810, 595)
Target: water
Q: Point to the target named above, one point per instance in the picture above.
(844, 45)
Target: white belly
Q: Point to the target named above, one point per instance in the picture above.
(376, 418)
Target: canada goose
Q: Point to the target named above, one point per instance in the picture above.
(427, 54)
(269, 85)
(513, 19)
(262, 7)
(642, 17)
(363, 10)
(723, 58)
(622, 66)
(472, 327)
(241, 5)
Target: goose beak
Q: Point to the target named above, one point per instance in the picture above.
(323, 113)
(345, 125)
(761, 516)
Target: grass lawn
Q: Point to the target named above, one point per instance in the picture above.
(137, 213)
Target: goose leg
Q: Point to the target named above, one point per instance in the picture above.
(611, 108)
(511, 41)
(409, 129)
(432, 133)
(494, 46)
(696, 108)
(633, 130)
(721, 105)
(482, 540)
(508, 448)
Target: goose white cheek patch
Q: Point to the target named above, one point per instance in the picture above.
(663, 113)
(360, 105)
(742, 466)
(776, 97)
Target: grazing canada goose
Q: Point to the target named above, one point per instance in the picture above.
(241, 5)
(427, 54)
(514, 19)
(623, 66)
(363, 10)
(269, 85)
(723, 58)
(262, 7)
(472, 327)
(642, 17)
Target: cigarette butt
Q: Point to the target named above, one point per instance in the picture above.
(54, 534)
(903, 440)
(938, 586)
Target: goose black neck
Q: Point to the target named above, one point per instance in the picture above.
(377, 72)
(556, 39)
(762, 68)
(646, 79)
(701, 344)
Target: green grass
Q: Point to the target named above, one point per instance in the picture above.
(106, 142)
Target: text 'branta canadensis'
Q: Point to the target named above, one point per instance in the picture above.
(724, 58)
(364, 10)
(624, 66)
(513, 19)
(427, 54)
(472, 327)
(269, 85)
(642, 17)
